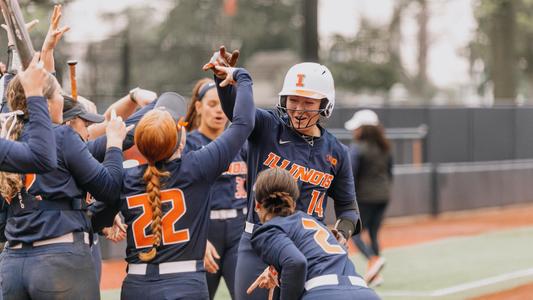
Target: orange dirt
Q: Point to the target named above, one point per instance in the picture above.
(518, 293)
(399, 232)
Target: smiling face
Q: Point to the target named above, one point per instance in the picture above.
(304, 113)
(210, 110)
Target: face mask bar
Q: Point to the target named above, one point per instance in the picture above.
(283, 112)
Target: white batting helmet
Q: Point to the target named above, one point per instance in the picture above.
(310, 80)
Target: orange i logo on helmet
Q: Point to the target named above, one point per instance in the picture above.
(300, 81)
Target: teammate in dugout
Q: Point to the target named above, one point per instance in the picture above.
(293, 139)
(165, 203)
(228, 194)
(312, 264)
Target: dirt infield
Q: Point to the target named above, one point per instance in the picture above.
(398, 232)
(518, 293)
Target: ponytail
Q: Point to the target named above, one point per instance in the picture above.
(152, 177)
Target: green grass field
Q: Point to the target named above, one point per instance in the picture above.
(452, 268)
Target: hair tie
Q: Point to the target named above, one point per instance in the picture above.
(204, 90)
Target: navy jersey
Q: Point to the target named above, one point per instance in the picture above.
(184, 193)
(229, 190)
(300, 248)
(322, 167)
(37, 152)
(50, 204)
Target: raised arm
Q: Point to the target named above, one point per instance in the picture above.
(37, 154)
(221, 152)
(277, 249)
(103, 181)
(97, 147)
(52, 38)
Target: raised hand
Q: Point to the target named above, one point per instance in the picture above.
(144, 97)
(228, 75)
(34, 78)
(222, 58)
(54, 32)
(115, 131)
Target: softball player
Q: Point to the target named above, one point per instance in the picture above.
(293, 139)
(228, 194)
(312, 264)
(38, 154)
(165, 203)
(48, 254)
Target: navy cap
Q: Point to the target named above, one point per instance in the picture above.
(174, 103)
(73, 109)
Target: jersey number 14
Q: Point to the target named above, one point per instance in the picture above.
(170, 235)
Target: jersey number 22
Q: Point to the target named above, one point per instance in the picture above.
(177, 210)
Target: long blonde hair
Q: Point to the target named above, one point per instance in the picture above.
(11, 183)
(156, 138)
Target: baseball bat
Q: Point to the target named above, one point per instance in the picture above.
(17, 27)
(73, 83)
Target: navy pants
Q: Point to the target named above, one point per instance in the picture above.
(57, 271)
(225, 236)
(249, 266)
(372, 217)
(341, 292)
(180, 286)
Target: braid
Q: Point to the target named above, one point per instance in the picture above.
(152, 177)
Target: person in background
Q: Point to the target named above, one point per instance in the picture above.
(372, 169)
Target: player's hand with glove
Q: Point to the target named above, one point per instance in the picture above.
(116, 131)
(34, 78)
(210, 255)
(221, 58)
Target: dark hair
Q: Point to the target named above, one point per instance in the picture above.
(374, 135)
(276, 191)
(192, 117)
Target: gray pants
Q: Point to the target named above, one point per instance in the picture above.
(57, 271)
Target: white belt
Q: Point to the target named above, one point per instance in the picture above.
(249, 227)
(66, 238)
(224, 214)
(332, 280)
(165, 268)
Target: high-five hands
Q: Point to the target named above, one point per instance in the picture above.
(221, 58)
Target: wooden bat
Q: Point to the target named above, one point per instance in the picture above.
(73, 83)
(17, 28)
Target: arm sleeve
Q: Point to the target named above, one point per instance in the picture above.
(228, 95)
(275, 248)
(38, 153)
(98, 146)
(342, 191)
(103, 181)
(390, 165)
(220, 153)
